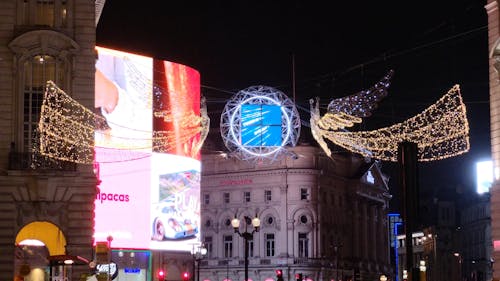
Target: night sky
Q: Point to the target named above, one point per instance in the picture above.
(337, 48)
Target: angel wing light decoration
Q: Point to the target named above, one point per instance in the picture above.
(441, 131)
(347, 111)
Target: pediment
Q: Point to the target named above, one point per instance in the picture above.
(43, 42)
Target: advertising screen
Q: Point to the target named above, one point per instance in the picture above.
(146, 152)
(260, 125)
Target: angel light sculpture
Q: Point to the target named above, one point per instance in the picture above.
(440, 131)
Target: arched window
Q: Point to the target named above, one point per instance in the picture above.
(38, 70)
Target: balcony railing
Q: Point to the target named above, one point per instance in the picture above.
(30, 161)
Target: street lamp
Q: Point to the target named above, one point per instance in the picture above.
(383, 277)
(198, 255)
(247, 236)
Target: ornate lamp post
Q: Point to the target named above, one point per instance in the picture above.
(198, 254)
(247, 236)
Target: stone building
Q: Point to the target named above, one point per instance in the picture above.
(323, 218)
(494, 67)
(40, 199)
(475, 234)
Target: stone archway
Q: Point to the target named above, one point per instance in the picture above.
(35, 242)
(48, 233)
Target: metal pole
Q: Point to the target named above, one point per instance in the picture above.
(109, 239)
(198, 270)
(194, 264)
(246, 255)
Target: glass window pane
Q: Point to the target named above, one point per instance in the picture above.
(44, 12)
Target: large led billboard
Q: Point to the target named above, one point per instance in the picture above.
(146, 152)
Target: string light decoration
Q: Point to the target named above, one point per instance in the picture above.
(346, 111)
(441, 131)
(67, 132)
(258, 122)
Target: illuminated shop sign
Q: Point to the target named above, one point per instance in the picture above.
(109, 268)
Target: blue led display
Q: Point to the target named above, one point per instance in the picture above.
(260, 125)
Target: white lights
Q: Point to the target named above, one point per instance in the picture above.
(67, 131)
(441, 131)
(258, 122)
(422, 266)
(31, 242)
(235, 223)
(484, 176)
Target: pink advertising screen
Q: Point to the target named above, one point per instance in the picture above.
(146, 152)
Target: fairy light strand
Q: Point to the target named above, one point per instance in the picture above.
(67, 132)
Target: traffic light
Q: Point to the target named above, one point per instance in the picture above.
(161, 275)
(185, 276)
(298, 276)
(279, 275)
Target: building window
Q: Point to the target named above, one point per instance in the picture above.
(206, 198)
(64, 13)
(226, 197)
(267, 195)
(303, 219)
(246, 196)
(269, 220)
(269, 240)
(250, 248)
(25, 13)
(228, 246)
(370, 178)
(37, 71)
(44, 14)
(208, 245)
(303, 194)
(52, 13)
(303, 245)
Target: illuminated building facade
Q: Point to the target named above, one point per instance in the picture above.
(494, 66)
(49, 201)
(324, 218)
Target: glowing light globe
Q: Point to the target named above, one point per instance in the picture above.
(258, 123)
